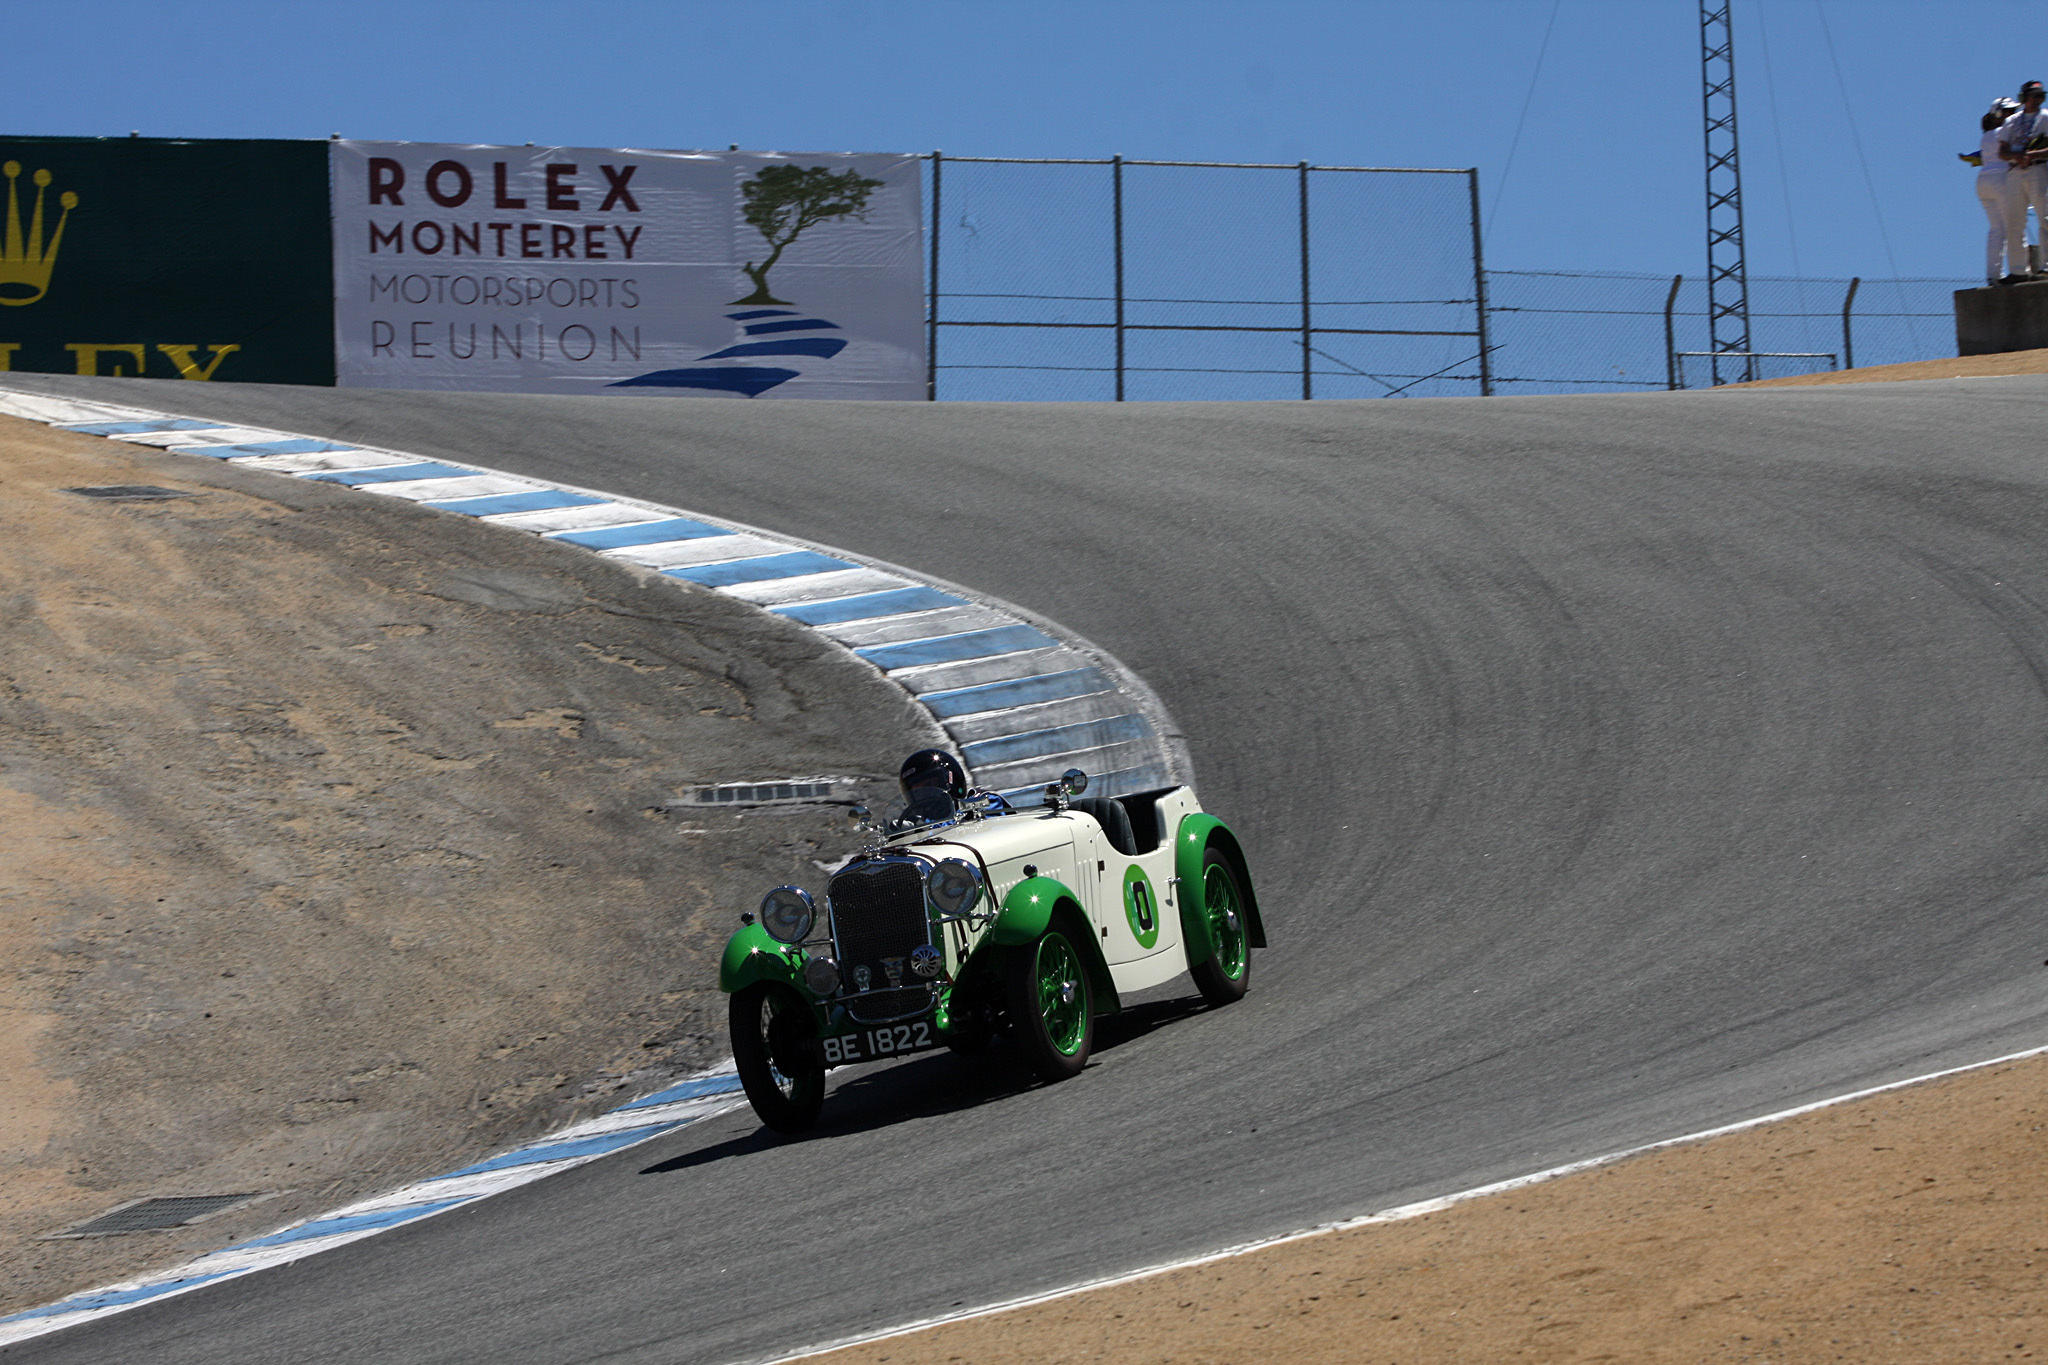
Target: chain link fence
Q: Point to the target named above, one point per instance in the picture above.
(1111, 280)
(1575, 332)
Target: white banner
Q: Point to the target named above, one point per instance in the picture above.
(593, 270)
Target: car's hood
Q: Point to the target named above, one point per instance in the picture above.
(1003, 839)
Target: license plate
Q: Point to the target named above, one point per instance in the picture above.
(883, 1040)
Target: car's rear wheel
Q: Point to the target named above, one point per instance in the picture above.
(1051, 1007)
(1227, 972)
(775, 1046)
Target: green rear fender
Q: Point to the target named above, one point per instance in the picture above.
(752, 955)
(1197, 834)
(1028, 911)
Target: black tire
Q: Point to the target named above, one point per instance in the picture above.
(1051, 1006)
(775, 1045)
(1226, 973)
(973, 1022)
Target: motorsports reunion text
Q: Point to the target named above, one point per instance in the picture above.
(576, 269)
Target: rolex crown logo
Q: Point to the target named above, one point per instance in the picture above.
(25, 263)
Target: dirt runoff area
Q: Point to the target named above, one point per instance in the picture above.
(1959, 367)
(1908, 1227)
(341, 843)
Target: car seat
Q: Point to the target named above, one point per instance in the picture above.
(1143, 809)
(1114, 819)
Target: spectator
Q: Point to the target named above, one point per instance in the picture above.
(1991, 186)
(2026, 177)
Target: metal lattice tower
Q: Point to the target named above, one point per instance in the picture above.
(1727, 272)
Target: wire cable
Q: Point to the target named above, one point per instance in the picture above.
(1856, 136)
(1784, 178)
(1521, 121)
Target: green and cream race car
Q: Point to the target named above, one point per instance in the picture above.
(967, 919)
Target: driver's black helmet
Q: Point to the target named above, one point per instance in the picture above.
(935, 769)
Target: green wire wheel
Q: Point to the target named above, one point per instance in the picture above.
(1051, 1006)
(1224, 975)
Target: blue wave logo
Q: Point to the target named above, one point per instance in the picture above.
(751, 381)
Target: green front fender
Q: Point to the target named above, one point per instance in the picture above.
(1027, 912)
(1028, 909)
(1196, 834)
(753, 955)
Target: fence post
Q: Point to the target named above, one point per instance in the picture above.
(931, 321)
(1116, 164)
(1670, 338)
(1479, 290)
(1307, 343)
(1848, 342)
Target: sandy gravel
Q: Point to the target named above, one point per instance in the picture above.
(336, 845)
(1956, 367)
(1909, 1227)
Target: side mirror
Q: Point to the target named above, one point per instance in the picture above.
(1072, 783)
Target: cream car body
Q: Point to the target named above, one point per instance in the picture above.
(991, 920)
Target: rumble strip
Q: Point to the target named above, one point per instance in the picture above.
(1023, 698)
(701, 1097)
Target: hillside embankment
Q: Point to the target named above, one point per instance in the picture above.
(347, 841)
(1956, 367)
(1908, 1227)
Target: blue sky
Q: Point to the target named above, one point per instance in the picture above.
(1605, 173)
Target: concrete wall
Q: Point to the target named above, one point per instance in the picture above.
(2001, 318)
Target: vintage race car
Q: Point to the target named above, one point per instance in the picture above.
(970, 918)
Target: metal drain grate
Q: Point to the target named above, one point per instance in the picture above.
(767, 793)
(153, 1215)
(130, 492)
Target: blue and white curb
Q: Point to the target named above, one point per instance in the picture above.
(657, 1115)
(1022, 698)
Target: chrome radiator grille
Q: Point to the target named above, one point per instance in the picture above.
(878, 917)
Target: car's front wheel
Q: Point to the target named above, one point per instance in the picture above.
(1224, 976)
(775, 1046)
(1051, 1008)
(971, 1021)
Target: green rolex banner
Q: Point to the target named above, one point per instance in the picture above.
(166, 259)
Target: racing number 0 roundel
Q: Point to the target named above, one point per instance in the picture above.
(1141, 906)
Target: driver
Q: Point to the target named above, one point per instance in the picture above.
(934, 784)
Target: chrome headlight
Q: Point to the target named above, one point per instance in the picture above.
(788, 913)
(821, 974)
(953, 886)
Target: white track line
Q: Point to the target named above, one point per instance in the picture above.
(1393, 1215)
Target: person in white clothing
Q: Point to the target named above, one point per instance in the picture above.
(2026, 176)
(1991, 187)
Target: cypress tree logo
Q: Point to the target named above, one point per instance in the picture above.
(25, 263)
(781, 203)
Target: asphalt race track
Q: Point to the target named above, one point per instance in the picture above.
(1609, 768)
